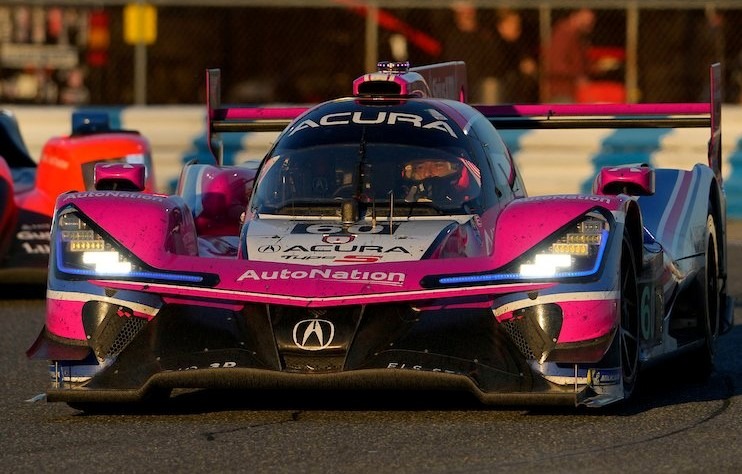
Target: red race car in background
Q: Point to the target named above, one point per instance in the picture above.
(28, 190)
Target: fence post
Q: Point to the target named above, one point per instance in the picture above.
(372, 38)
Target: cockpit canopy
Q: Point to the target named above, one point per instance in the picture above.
(380, 156)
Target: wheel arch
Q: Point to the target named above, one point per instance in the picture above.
(635, 229)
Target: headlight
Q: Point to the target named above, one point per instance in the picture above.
(83, 251)
(575, 252)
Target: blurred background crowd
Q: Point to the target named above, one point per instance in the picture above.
(528, 51)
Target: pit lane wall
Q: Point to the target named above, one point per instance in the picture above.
(552, 162)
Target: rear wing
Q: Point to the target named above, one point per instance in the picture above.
(658, 115)
(448, 80)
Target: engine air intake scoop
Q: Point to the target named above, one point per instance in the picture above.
(397, 79)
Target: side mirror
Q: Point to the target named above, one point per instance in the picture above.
(633, 180)
(120, 177)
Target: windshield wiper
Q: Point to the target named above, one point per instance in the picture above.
(361, 165)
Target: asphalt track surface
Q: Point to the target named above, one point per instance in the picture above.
(673, 425)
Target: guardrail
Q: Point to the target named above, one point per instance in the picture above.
(552, 162)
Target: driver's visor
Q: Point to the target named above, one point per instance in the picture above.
(420, 169)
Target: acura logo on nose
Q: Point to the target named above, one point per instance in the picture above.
(313, 334)
(269, 248)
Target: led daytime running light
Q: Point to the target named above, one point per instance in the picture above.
(496, 277)
(97, 257)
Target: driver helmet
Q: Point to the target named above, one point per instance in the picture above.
(441, 180)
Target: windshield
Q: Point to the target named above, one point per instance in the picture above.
(318, 179)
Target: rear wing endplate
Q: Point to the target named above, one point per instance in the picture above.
(240, 118)
(445, 80)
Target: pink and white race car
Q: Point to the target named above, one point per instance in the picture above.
(387, 241)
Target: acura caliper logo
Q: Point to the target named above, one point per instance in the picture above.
(313, 334)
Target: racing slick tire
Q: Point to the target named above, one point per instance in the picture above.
(701, 361)
(628, 330)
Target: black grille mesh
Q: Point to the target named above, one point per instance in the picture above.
(128, 332)
(512, 327)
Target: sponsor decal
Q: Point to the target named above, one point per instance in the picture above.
(32, 235)
(35, 249)
(313, 334)
(597, 377)
(214, 365)
(120, 194)
(307, 257)
(42, 226)
(34, 238)
(403, 365)
(55, 162)
(377, 118)
(325, 229)
(343, 259)
(34, 232)
(326, 274)
(347, 248)
(358, 259)
(571, 197)
(337, 244)
(433, 112)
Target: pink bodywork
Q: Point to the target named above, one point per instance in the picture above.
(584, 320)
(150, 239)
(224, 195)
(640, 177)
(546, 214)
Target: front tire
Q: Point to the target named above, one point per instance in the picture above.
(628, 330)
